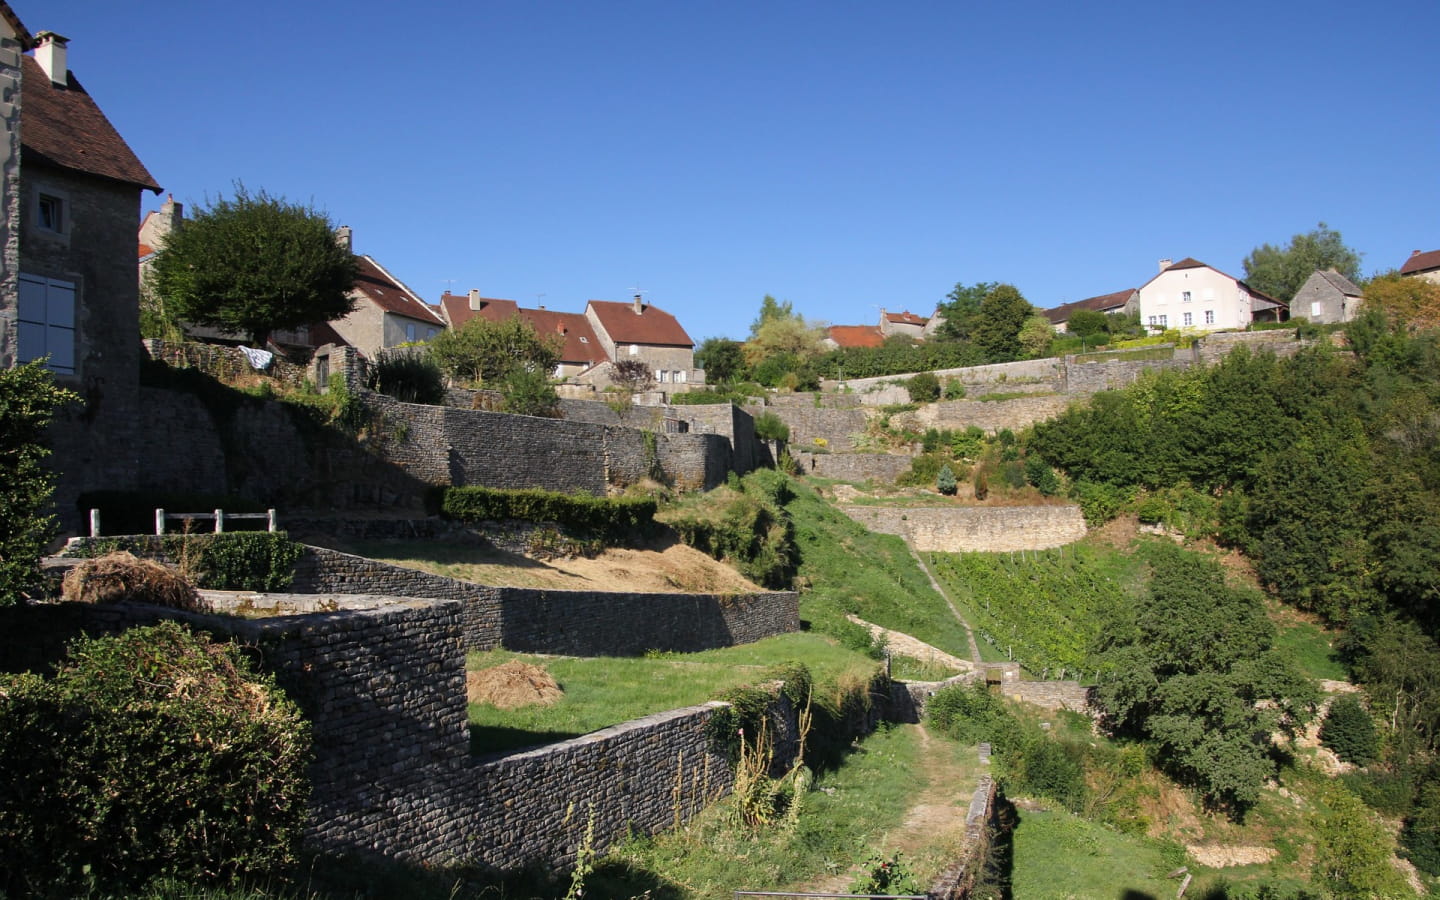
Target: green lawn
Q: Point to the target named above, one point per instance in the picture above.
(1311, 646)
(1058, 855)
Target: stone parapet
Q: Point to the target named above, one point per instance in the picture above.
(966, 529)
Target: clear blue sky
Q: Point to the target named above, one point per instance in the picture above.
(842, 156)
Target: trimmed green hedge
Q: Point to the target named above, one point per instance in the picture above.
(599, 515)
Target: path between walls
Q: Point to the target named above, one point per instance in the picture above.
(969, 633)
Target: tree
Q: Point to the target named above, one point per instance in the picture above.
(923, 387)
(1281, 273)
(1349, 731)
(780, 332)
(253, 264)
(945, 481)
(1035, 336)
(482, 352)
(961, 308)
(632, 375)
(722, 359)
(1411, 302)
(1353, 851)
(771, 310)
(528, 392)
(996, 328)
(1088, 323)
(28, 399)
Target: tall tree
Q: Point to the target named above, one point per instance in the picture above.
(1281, 272)
(961, 308)
(771, 310)
(255, 263)
(483, 353)
(996, 328)
(721, 359)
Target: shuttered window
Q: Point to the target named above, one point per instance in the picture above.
(47, 322)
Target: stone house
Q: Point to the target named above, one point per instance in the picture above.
(68, 286)
(387, 313)
(1327, 297)
(580, 349)
(638, 330)
(1191, 295)
(1424, 265)
(1126, 301)
(902, 323)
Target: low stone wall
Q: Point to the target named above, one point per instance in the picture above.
(981, 820)
(224, 363)
(1057, 695)
(1281, 341)
(835, 426)
(987, 415)
(856, 467)
(966, 529)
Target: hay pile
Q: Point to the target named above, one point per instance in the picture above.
(512, 685)
(122, 577)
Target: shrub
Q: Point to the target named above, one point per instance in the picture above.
(886, 875)
(1349, 731)
(981, 484)
(244, 561)
(923, 388)
(954, 389)
(528, 392)
(970, 714)
(770, 427)
(150, 754)
(28, 398)
(1420, 835)
(610, 517)
(945, 481)
(410, 375)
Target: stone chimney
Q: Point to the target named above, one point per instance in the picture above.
(639, 307)
(1415, 252)
(342, 237)
(50, 54)
(171, 213)
(1165, 264)
(474, 300)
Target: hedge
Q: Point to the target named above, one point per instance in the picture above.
(614, 518)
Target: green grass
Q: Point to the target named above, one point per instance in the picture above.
(843, 820)
(1059, 855)
(1311, 647)
(605, 691)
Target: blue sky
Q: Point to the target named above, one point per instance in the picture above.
(841, 156)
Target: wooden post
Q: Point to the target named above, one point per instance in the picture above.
(219, 520)
(159, 521)
(94, 523)
(274, 520)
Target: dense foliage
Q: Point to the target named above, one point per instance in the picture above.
(482, 352)
(749, 528)
(611, 517)
(1280, 273)
(151, 754)
(410, 375)
(28, 399)
(253, 264)
(1349, 731)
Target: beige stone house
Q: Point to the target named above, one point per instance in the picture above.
(647, 333)
(1327, 297)
(903, 323)
(1189, 295)
(580, 349)
(1424, 265)
(387, 313)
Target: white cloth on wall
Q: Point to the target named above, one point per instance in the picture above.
(260, 360)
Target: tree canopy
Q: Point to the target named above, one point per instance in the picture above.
(961, 308)
(996, 328)
(483, 352)
(1281, 272)
(255, 263)
(28, 399)
(721, 358)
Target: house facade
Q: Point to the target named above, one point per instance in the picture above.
(1422, 264)
(1327, 297)
(903, 323)
(647, 333)
(1191, 295)
(387, 313)
(69, 291)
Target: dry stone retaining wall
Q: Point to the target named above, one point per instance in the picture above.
(965, 529)
(884, 467)
(988, 415)
(806, 423)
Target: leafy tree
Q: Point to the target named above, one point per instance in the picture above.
(1088, 323)
(996, 328)
(961, 310)
(1352, 851)
(779, 331)
(528, 392)
(771, 310)
(1035, 336)
(722, 359)
(254, 263)
(1413, 302)
(770, 427)
(1349, 731)
(1420, 835)
(28, 399)
(1281, 272)
(923, 387)
(632, 375)
(482, 352)
(408, 374)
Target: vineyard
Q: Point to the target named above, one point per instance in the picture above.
(1042, 609)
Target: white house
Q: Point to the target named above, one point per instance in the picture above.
(1191, 295)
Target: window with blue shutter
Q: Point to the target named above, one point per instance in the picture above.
(47, 322)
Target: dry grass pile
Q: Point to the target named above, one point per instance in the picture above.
(122, 577)
(512, 685)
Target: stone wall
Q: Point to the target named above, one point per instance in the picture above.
(977, 380)
(1211, 348)
(10, 56)
(834, 426)
(966, 529)
(1085, 378)
(989, 416)
(729, 421)
(226, 364)
(854, 467)
(981, 821)
(1057, 695)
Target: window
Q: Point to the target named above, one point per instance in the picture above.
(1152, 322)
(1164, 321)
(680, 377)
(634, 349)
(47, 322)
(1185, 296)
(50, 213)
(660, 376)
(1189, 320)
(410, 332)
(429, 334)
(1209, 317)
(1314, 308)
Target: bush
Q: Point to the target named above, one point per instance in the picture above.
(945, 481)
(245, 561)
(923, 388)
(1349, 731)
(150, 754)
(528, 392)
(981, 484)
(612, 518)
(954, 389)
(28, 397)
(770, 427)
(409, 375)
(970, 714)
(1420, 835)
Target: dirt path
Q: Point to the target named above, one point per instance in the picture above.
(970, 634)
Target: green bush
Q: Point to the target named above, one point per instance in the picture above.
(1420, 835)
(770, 427)
(1349, 731)
(923, 388)
(528, 392)
(970, 714)
(954, 389)
(945, 481)
(152, 754)
(752, 533)
(28, 397)
(231, 561)
(410, 375)
(612, 518)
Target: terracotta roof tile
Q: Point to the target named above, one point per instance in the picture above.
(905, 318)
(846, 336)
(62, 126)
(386, 292)
(146, 250)
(653, 325)
(1420, 262)
(1102, 303)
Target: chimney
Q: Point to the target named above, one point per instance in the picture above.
(50, 54)
(342, 236)
(1165, 264)
(1414, 252)
(639, 307)
(474, 300)
(171, 213)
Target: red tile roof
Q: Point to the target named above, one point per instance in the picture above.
(322, 333)
(146, 250)
(653, 325)
(905, 318)
(1102, 303)
(856, 336)
(580, 347)
(1420, 262)
(386, 292)
(62, 126)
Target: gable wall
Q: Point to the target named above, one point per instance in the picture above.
(1209, 290)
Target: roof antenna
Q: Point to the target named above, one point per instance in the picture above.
(448, 282)
(538, 298)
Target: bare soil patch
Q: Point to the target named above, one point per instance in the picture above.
(1219, 857)
(512, 685)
